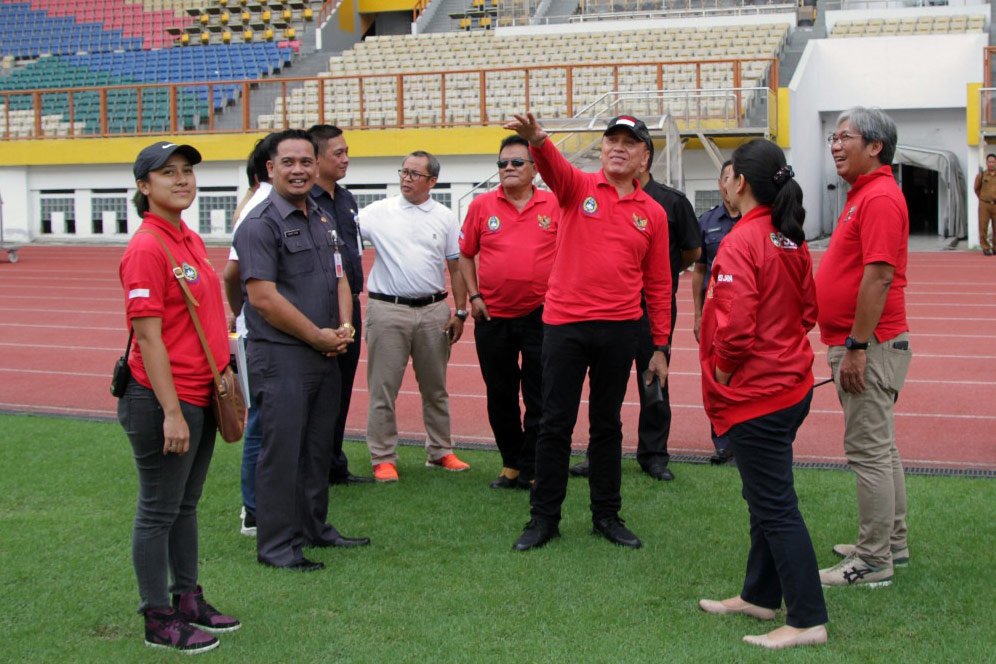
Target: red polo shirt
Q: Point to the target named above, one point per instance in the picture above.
(516, 249)
(151, 291)
(609, 249)
(874, 227)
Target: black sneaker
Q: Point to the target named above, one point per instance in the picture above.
(536, 534)
(579, 469)
(165, 629)
(193, 608)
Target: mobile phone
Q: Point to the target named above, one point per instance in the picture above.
(652, 393)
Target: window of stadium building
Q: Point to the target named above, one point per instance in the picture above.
(706, 200)
(216, 209)
(109, 212)
(58, 213)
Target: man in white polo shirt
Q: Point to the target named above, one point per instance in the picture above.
(407, 315)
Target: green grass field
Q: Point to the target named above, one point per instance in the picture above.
(440, 582)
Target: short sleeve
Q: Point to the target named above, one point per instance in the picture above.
(883, 232)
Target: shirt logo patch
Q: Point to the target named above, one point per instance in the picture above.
(190, 273)
(850, 214)
(782, 242)
(724, 278)
(494, 224)
(138, 292)
(543, 221)
(639, 222)
(590, 205)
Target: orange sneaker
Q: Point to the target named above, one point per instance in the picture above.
(448, 462)
(386, 472)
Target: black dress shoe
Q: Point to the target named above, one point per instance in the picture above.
(303, 565)
(721, 457)
(659, 471)
(536, 534)
(579, 469)
(505, 483)
(351, 479)
(340, 542)
(612, 529)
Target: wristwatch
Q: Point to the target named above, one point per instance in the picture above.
(461, 314)
(851, 343)
(475, 296)
(664, 349)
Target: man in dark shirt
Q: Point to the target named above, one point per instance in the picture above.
(713, 225)
(336, 201)
(296, 330)
(684, 247)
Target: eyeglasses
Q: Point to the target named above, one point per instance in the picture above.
(412, 175)
(840, 138)
(516, 163)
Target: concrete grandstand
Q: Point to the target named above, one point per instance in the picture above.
(705, 74)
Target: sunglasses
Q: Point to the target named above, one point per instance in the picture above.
(516, 163)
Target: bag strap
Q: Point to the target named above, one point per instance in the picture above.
(131, 335)
(191, 303)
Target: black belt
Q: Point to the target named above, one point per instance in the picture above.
(409, 301)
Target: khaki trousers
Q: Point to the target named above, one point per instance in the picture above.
(395, 332)
(987, 215)
(870, 448)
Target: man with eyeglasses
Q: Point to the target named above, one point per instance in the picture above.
(612, 244)
(860, 289)
(416, 240)
(685, 246)
(339, 204)
(513, 233)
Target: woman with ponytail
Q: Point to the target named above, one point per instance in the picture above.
(757, 384)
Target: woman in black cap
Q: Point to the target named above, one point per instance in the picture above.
(166, 408)
(757, 384)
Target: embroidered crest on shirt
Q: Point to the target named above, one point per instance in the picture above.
(543, 221)
(190, 273)
(590, 205)
(494, 223)
(782, 242)
(639, 222)
(850, 214)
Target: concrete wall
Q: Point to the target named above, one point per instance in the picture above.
(921, 81)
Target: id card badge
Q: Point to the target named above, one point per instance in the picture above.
(337, 258)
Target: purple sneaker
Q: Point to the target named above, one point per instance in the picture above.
(165, 629)
(192, 608)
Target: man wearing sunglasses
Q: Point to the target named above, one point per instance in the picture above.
(512, 231)
(417, 240)
(612, 245)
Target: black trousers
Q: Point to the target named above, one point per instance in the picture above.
(604, 350)
(781, 562)
(348, 362)
(655, 419)
(500, 343)
(296, 390)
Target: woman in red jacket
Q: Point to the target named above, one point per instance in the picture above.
(757, 383)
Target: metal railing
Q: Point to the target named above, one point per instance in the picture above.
(470, 97)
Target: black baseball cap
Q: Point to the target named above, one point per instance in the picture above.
(635, 126)
(157, 154)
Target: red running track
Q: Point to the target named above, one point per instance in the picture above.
(62, 328)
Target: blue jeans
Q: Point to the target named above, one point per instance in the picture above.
(251, 440)
(164, 539)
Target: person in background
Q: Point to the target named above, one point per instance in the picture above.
(757, 385)
(512, 231)
(259, 190)
(985, 189)
(336, 201)
(166, 408)
(714, 225)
